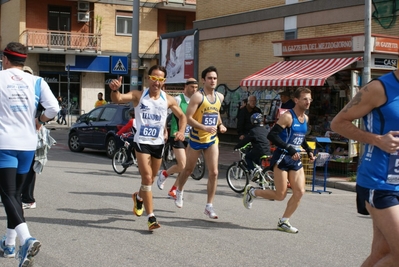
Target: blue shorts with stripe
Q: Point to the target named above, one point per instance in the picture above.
(199, 146)
(379, 199)
(284, 161)
(16, 159)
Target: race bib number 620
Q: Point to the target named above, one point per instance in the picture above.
(149, 131)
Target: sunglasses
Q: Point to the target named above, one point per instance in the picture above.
(154, 79)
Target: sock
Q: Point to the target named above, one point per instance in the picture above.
(165, 174)
(208, 205)
(173, 188)
(252, 192)
(139, 198)
(150, 215)
(22, 232)
(284, 219)
(11, 235)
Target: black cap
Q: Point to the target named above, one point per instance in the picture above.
(287, 93)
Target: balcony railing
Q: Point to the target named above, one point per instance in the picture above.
(56, 40)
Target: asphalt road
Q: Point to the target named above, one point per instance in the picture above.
(84, 218)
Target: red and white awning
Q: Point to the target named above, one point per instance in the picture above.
(311, 72)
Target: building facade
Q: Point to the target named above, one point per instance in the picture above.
(91, 39)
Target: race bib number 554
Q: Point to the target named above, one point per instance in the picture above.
(210, 119)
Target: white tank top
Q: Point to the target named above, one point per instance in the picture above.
(150, 119)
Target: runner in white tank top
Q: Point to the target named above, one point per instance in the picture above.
(151, 107)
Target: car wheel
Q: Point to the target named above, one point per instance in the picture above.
(74, 143)
(111, 147)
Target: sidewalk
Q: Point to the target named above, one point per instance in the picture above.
(227, 156)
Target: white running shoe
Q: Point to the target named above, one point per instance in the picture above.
(179, 199)
(209, 211)
(29, 205)
(286, 227)
(248, 198)
(161, 180)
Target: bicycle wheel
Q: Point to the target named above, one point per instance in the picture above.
(267, 179)
(118, 159)
(237, 178)
(168, 157)
(199, 170)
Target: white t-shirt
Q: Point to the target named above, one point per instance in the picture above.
(18, 109)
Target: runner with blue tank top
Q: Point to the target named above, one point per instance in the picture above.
(151, 106)
(378, 173)
(289, 136)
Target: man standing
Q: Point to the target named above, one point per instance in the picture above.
(151, 107)
(203, 115)
(179, 147)
(100, 100)
(288, 134)
(286, 101)
(21, 93)
(244, 117)
(377, 182)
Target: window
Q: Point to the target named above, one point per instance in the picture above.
(93, 116)
(59, 18)
(108, 114)
(175, 23)
(124, 23)
(290, 35)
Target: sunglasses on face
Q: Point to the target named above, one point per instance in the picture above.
(154, 78)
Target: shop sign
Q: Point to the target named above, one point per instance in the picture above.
(317, 46)
(50, 80)
(388, 45)
(385, 63)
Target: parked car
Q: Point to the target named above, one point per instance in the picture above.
(97, 129)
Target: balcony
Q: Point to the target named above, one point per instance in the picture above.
(43, 41)
(180, 5)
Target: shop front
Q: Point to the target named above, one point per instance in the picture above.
(331, 67)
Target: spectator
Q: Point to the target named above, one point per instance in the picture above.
(244, 124)
(286, 101)
(100, 100)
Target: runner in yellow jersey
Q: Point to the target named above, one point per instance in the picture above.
(204, 117)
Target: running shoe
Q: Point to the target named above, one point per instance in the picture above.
(161, 180)
(27, 251)
(8, 250)
(179, 199)
(286, 227)
(209, 211)
(29, 205)
(152, 223)
(248, 198)
(137, 205)
(172, 194)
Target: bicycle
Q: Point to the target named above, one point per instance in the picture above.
(168, 160)
(238, 176)
(119, 160)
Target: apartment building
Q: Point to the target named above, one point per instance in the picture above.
(92, 39)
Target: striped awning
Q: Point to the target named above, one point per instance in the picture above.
(312, 72)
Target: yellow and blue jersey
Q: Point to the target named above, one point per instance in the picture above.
(207, 114)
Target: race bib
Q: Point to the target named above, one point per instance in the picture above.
(149, 131)
(187, 132)
(210, 119)
(393, 169)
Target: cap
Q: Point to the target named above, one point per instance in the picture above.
(27, 69)
(286, 93)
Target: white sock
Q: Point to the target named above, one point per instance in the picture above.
(11, 235)
(150, 215)
(284, 219)
(138, 197)
(22, 232)
(208, 205)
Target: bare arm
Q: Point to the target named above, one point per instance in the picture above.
(117, 97)
(222, 128)
(180, 115)
(368, 98)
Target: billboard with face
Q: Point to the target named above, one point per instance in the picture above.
(179, 54)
